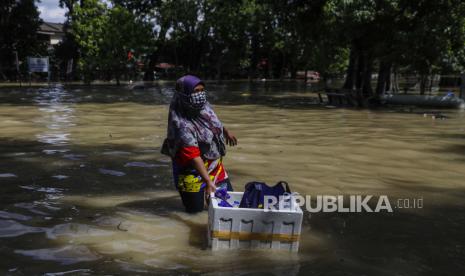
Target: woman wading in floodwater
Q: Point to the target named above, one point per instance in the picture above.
(196, 143)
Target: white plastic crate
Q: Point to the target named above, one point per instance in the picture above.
(231, 228)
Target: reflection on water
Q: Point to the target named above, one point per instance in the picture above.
(57, 116)
(84, 189)
(111, 172)
(64, 255)
(8, 175)
(11, 228)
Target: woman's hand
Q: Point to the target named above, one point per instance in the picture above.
(197, 163)
(230, 138)
(211, 188)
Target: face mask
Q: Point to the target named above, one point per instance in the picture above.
(197, 100)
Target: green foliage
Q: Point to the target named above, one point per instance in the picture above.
(258, 38)
(217, 38)
(105, 35)
(19, 21)
(421, 37)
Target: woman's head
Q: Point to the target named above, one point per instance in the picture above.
(191, 91)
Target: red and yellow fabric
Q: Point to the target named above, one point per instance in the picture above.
(188, 179)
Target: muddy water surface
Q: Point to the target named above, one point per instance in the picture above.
(84, 189)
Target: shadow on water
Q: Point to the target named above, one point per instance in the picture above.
(427, 242)
(424, 240)
(455, 149)
(84, 169)
(458, 136)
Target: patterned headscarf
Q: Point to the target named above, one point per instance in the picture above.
(188, 127)
(185, 87)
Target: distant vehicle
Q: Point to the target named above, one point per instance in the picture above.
(311, 75)
(166, 70)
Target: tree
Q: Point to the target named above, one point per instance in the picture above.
(318, 35)
(435, 35)
(127, 39)
(19, 22)
(416, 35)
(87, 28)
(106, 36)
(236, 38)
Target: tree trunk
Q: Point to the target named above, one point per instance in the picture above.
(269, 69)
(350, 74)
(423, 80)
(148, 74)
(462, 86)
(118, 73)
(395, 82)
(431, 82)
(283, 60)
(292, 70)
(388, 79)
(254, 57)
(383, 78)
(218, 69)
(359, 70)
(368, 70)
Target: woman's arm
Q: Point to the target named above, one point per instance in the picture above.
(230, 138)
(197, 163)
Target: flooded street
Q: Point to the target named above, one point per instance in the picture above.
(84, 189)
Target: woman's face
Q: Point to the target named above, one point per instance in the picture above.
(199, 88)
(198, 97)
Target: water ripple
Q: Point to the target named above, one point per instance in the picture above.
(111, 172)
(66, 255)
(11, 228)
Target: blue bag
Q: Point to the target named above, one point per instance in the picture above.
(222, 194)
(255, 192)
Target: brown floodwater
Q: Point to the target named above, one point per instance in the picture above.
(84, 189)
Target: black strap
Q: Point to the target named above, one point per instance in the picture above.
(285, 185)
